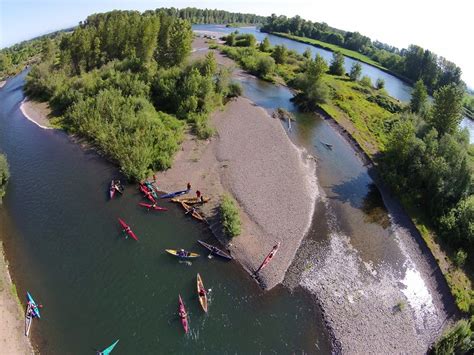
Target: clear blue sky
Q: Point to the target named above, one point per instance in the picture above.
(441, 26)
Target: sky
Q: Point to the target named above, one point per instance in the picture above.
(444, 27)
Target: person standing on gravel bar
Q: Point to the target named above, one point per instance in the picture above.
(198, 193)
(189, 186)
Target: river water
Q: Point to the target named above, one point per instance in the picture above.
(64, 245)
(394, 86)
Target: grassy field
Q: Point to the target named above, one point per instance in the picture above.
(332, 47)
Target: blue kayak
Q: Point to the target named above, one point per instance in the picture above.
(174, 194)
(33, 305)
(108, 350)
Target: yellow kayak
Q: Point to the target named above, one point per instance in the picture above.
(193, 213)
(182, 253)
(202, 298)
(191, 200)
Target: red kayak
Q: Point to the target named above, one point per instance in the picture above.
(183, 315)
(147, 193)
(126, 228)
(153, 207)
(268, 258)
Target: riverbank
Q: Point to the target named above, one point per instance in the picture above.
(37, 112)
(346, 52)
(12, 337)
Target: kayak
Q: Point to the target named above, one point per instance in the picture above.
(150, 206)
(151, 189)
(126, 228)
(215, 250)
(202, 299)
(28, 319)
(188, 255)
(147, 193)
(182, 311)
(33, 305)
(268, 258)
(112, 189)
(109, 349)
(191, 200)
(195, 214)
(175, 194)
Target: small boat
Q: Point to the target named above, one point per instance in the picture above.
(115, 186)
(175, 194)
(183, 315)
(127, 229)
(147, 193)
(268, 258)
(112, 189)
(153, 207)
(34, 305)
(193, 212)
(215, 250)
(327, 145)
(151, 189)
(28, 319)
(202, 299)
(109, 349)
(191, 200)
(187, 254)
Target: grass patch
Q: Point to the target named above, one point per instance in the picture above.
(332, 47)
(230, 217)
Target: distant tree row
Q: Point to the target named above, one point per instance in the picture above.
(208, 16)
(414, 63)
(121, 80)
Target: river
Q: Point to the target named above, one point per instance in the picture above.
(394, 86)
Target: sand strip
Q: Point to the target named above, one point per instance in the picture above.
(36, 112)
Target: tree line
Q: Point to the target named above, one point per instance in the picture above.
(122, 80)
(4, 175)
(413, 63)
(208, 16)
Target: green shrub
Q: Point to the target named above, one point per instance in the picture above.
(365, 81)
(230, 217)
(460, 258)
(4, 175)
(458, 340)
(380, 83)
(235, 90)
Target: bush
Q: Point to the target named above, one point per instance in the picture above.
(365, 81)
(458, 340)
(380, 83)
(235, 90)
(460, 258)
(4, 175)
(264, 66)
(230, 217)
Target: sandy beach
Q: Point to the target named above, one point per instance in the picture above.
(36, 112)
(12, 337)
(2, 83)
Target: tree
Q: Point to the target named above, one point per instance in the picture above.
(265, 45)
(447, 109)
(380, 83)
(264, 66)
(419, 97)
(356, 71)
(307, 53)
(337, 64)
(280, 54)
(365, 81)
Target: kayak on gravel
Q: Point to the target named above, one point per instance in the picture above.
(175, 194)
(268, 258)
(126, 228)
